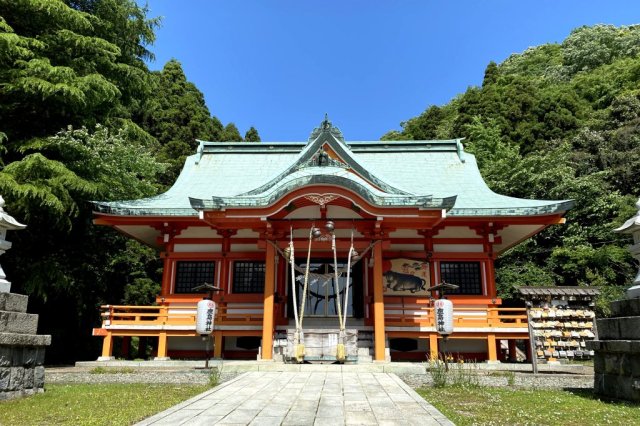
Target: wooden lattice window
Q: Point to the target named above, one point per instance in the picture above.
(248, 277)
(467, 275)
(193, 273)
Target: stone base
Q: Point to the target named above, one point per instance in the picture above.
(20, 380)
(5, 287)
(21, 349)
(617, 352)
(106, 358)
(616, 386)
(158, 358)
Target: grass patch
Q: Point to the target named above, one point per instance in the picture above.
(112, 370)
(498, 406)
(94, 404)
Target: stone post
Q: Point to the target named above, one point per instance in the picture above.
(21, 349)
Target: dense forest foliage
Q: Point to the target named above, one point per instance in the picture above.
(558, 121)
(82, 118)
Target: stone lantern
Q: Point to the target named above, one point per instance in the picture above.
(21, 348)
(632, 226)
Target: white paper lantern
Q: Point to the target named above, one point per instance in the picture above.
(205, 316)
(444, 316)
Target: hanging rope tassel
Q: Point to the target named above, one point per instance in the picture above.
(299, 347)
(296, 333)
(350, 256)
(341, 353)
(293, 277)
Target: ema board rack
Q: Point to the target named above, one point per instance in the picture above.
(562, 333)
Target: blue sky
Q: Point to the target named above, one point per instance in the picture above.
(280, 65)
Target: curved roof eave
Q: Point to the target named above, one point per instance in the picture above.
(541, 210)
(285, 187)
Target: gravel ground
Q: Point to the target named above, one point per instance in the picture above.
(521, 380)
(77, 375)
(148, 375)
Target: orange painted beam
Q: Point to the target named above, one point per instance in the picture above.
(269, 290)
(378, 305)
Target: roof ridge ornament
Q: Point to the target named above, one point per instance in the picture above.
(326, 127)
(322, 159)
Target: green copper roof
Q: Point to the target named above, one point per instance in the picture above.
(425, 174)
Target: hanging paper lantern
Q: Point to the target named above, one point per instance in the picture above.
(205, 315)
(444, 316)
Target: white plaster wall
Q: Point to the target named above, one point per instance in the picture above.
(244, 247)
(197, 248)
(246, 233)
(307, 212)
(198, 232)
(338, 212)
(407, 247)
(458, 248)
(405, 233)
(457, 232)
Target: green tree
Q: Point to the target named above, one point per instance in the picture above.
(231, 134)
(177, 116)
(557, 121)
(252, 135)
(56, 257)
(56, 68)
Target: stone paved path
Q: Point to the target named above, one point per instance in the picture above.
(305, 398)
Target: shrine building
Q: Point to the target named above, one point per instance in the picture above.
(412, 214)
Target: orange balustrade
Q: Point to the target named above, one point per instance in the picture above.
(234, 314)
(412, 315)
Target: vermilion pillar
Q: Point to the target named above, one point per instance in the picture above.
(269, 290)
(378, 304)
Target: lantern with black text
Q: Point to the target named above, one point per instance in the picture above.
(444, 316)
(205, 315)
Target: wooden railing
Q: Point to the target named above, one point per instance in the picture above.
(185, 315)
(412, 315)
(239, 314)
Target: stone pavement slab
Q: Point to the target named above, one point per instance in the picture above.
(306, 397)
